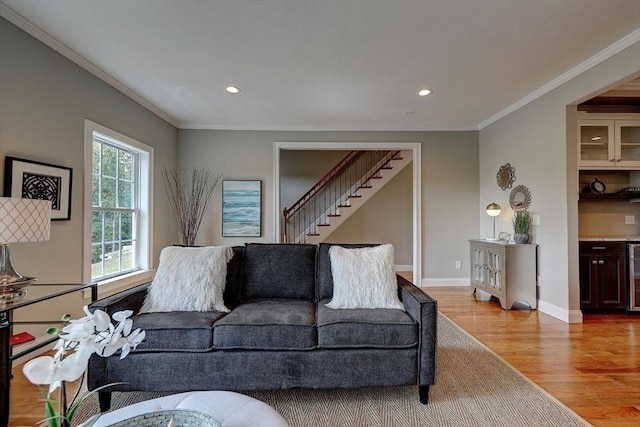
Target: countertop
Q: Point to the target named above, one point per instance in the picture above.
(610, 239)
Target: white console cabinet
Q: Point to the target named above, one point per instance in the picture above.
(506, 271)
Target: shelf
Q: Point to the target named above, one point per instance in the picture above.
(610, 196)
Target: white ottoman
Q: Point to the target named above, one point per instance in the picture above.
(228, 408)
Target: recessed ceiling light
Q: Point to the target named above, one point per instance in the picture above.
(424, 92)
(232, 89)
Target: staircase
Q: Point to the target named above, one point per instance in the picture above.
(340, 193)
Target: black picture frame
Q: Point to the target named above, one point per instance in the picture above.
(29, 179)
(242, 208)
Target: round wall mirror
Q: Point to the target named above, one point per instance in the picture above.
(506, 175)
(520, 198)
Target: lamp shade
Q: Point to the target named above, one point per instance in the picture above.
(493, 209)
(24, 220)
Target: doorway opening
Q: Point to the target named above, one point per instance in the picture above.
(414, 147)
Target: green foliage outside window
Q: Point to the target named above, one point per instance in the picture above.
(114, 203)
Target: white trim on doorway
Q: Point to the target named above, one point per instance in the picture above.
(415, 147)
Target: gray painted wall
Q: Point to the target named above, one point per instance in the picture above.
(300, 170)
(539, 140)
(386, 218)
(449, 184)
(44, 100)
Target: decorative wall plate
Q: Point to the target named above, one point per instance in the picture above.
(505, 176)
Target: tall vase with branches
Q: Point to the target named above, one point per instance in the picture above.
(189, 198)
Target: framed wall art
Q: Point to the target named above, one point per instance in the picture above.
(28, 179)
(241, 208)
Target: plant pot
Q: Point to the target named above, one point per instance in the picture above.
(521, 238)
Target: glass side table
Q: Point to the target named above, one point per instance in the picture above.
(45, 292)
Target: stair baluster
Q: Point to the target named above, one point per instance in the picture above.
(333, 192)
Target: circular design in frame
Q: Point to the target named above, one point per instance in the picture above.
(520, 198)
(505, 176)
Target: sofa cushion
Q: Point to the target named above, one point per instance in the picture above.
(325, 278)
(189, 279)
(364, 327)
(268, 324)
(279, 271)
(178, 330)
(364, 278)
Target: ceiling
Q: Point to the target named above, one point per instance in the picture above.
(331, 65)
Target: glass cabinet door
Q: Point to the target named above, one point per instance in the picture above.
(596, 143)
(628, 136)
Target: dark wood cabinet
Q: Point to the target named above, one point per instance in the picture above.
(603, 275)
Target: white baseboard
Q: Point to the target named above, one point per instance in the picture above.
(568, 316)
(575, 316)
(461, 281)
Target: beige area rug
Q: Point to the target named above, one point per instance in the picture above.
(474, 387)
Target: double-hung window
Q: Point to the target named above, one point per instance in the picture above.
(117, 205)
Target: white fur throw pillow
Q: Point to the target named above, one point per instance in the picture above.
(189, 279)
(364, 278)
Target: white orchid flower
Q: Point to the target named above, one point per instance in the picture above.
(132, 341)
(119, 316)
(86, 326)
(93, 333)
(47, 370)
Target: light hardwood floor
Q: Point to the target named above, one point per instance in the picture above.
(593, 368)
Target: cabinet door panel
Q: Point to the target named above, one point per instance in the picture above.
(588, 281)
(627, 135)
(611, 289)
(596, 144)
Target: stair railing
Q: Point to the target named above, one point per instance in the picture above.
(332, 192)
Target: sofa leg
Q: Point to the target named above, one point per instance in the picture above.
(104, 399)
(424, 394)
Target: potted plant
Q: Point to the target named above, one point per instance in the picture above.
(521, 224)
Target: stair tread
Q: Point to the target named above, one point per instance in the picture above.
(313, 234)
(386, 167)
(344, 206)
(323, 225)
(333, 215)
(355, 196)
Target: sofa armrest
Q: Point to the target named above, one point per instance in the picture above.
(424, 310)
(129, 299)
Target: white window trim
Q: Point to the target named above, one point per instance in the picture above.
(145, 243)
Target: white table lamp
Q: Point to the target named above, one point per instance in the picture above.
(21, 220)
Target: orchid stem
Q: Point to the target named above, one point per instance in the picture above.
(63, 404)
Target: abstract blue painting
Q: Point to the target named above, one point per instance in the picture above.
(241, 208)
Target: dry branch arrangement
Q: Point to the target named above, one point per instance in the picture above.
(189, 198)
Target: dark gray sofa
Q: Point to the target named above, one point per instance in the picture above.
(278, 334)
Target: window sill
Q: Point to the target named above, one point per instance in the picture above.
(115, 284)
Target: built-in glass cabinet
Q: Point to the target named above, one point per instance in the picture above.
(607, 142)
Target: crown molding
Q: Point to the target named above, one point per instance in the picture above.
(30, 28)
(596, 59)
(327, 128)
